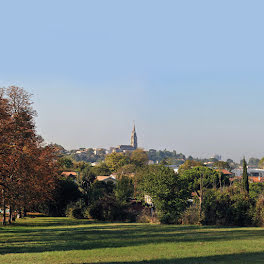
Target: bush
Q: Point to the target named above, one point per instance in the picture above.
(146, 217)
(242, 209)
(227, 207)
(191, 215)
(259, 212)
(107, 209)
(76, 210)
(86, 213)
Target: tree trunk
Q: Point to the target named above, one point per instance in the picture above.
(220, 179)
(14, 215)
(10, 215)
(24, 212)
(4, 208)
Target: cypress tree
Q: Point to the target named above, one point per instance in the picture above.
(245, 176)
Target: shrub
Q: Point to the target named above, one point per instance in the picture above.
(86, 213)
(77, 213)
(227, 207)
(107, 209)
(259, 212)
(146, 217)
(242, 210)
(191, 215)
(76, 210)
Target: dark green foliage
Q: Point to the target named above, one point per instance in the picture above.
(255, 190)
(124, 189)
(76, 210)
(85, 182)
(194, 176)
(100, 189)
(101, 169)
(67, 191)
(65, 163)
(216, 208)
(167, 190)
(227, 207)
(245, 177)
(259, 212)
(107, 208)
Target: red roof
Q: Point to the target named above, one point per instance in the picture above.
(256, 179)
(250, 178)
(69, 173)
(226, 172)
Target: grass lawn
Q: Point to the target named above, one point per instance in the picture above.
(62, 240)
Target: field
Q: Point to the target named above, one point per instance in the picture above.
(62, 240)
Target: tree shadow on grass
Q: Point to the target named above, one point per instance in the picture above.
(245, 258)
(51, 221)
(78, 235)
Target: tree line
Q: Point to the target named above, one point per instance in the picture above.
(195, 195)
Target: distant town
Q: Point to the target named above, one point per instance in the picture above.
(171, 159)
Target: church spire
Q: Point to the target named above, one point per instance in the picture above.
(134, 137)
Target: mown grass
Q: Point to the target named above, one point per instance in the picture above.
(62, 240)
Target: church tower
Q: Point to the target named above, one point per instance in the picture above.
(134, 138)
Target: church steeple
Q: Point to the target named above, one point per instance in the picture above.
(134, 137)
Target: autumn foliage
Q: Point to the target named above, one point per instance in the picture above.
(27, 167)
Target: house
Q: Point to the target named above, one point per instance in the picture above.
(106, 179)
(70, 175)
(67, 174)
(254, 175)
(225, 172)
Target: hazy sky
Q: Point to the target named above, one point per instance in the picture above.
(190, 73)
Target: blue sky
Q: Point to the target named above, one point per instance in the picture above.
(190, 73)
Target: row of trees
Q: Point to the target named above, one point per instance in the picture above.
(82, 193)
(27, 167)
(196, 192)
(201, 195)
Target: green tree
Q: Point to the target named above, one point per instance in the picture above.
(101, 169)
(261, 163)
(199, 179)
(188, 164)
(99, 189)
(65, 163)
(124, 189)
(256, 189)
(245, 177)
(126, 170)
(167, 190)
(116, 160)
(139, 157)
(86, 179)
(66, 191)
(222, 165)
